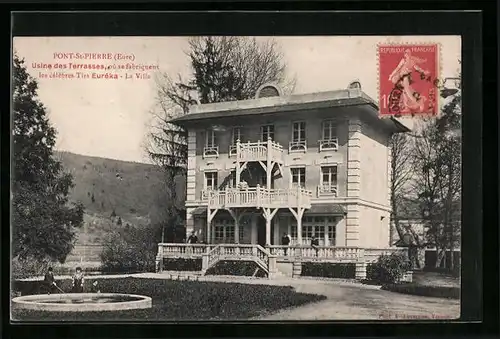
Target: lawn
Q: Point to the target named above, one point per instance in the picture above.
(185, 300)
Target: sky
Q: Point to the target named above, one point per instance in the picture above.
(111, 117)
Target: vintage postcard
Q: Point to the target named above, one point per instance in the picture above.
(236, 178)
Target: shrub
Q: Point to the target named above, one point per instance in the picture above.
(388, 268)
(424, 290)
(29, 267)
(182, 264)
(326, 270)
(455, 272)
(235, 267)
(130, 250)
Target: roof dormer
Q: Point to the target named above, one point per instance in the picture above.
(268, 90)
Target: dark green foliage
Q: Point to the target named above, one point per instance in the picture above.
(388, 268)
(44, 221)
(329, 270)
(182, 264)
(424, 290)
(184, 300)
(131, 249)
(236, 267)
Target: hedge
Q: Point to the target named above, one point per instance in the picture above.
(455, 272)
(424, 290)
(328, 270)
(235, 267)
(181, 264)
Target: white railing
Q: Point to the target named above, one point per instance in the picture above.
(327, 190)
(321, 252)
(174, 250)
(331, 144)
(297, 146)
(258, 197)
(254, 151)
(210, 151)
(233, 150)
(238, 251)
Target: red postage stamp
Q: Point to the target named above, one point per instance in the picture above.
(408, 78)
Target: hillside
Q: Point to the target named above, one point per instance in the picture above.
(133, 190)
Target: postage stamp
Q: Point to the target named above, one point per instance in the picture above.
(408, 78)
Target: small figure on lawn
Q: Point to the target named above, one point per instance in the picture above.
(315, 243)
(78, 281)
(95, 287)
(50, 282)
(285, 241)
(193, 239)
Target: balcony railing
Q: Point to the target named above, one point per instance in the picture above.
(331, 144)
(258, 151)
(326, 191)
(297, 146)
(257, 197)
(210, 151)
(233, 150)
(323, 252)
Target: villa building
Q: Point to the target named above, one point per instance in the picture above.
(304, 165)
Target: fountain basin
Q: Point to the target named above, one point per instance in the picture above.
(82, 302)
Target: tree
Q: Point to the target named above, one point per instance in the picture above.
(437, 166)
(224, 69)
(43, 220)
(400, 175)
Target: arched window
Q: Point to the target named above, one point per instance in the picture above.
(354, 85)
(268, 90)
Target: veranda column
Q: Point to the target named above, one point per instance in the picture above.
(299, 230)
(237, 230)
(268, 231)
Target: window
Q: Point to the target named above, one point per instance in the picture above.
(229, 234)
(211, 140)
(322, 227)
(233, 179)
(299, 132)
(298, 142)
(237, 135)
(211, 149)
(298, 176)
(211, 180)
(331, 234)
(329, 139)
(224, 231)
(267, 132)
(328, 184)
(218, 234)
(329, 130)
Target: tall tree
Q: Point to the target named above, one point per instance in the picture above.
(224, 69)
(400, 176)
(43, 219)
(437, 166)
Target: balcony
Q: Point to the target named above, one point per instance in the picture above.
(257, 197)
(258, 151)
(326, 191)
(297, 146)
(210, 151)
(331, 144)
